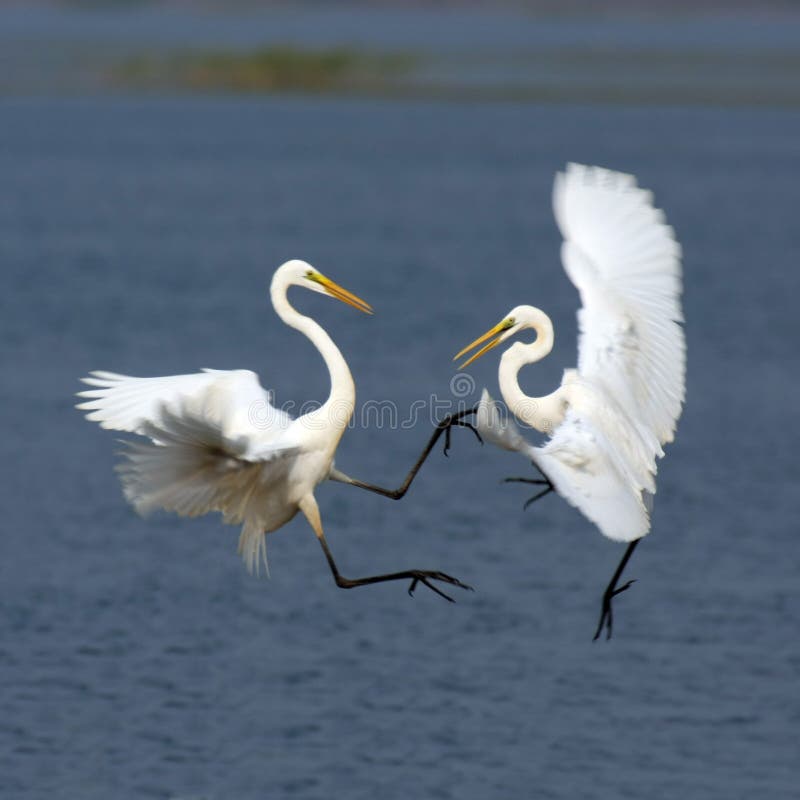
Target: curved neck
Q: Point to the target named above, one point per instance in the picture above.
(542, 413)
(338, 408)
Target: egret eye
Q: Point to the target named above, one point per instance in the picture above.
(510, 322)
(310, 274)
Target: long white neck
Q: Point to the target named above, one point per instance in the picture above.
(543, 413)
(338, 408)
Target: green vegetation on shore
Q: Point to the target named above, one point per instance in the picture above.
(268, 69)
(573, 75)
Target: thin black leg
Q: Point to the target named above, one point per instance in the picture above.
(414, 575)
(612, 590)
(443, 427)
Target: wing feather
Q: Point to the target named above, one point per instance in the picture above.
(233, 399)
(216, 443)
(626, 263)
(589, 471)
(191, 467)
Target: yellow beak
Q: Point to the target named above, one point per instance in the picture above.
(340, 293)
(498, 329)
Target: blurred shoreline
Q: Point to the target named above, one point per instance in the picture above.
(459, 51)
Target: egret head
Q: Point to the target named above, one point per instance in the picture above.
(518, 319)
(300, 273)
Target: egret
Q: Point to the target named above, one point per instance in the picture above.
(609, 418)
(215, 442)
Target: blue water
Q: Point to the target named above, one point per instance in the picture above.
(468, 27)
(139, 659)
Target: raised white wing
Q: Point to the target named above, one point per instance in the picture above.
(624, 259)
(589, 472)
(216, 444)
(125, 403)
(232, 400)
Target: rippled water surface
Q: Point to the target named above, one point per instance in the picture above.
(139, 659)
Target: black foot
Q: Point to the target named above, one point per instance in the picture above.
(607, 615)
(457, 420)
(537, 482)
(423, 577)
(414, 575)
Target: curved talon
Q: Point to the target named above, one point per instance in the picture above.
(451, 420)
(606, 618)
(612, 590)
(425, 578)
(538, 496)
(536, 482)
(438, 591)
(446, 422)
(607, 613)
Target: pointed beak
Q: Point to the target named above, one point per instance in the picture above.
(340, 293)
(498, 331)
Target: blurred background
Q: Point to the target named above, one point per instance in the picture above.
(159, 161)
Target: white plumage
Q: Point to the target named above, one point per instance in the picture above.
(583, 465)
(213, 441)
(610, 416)
(216, 444)
(625, 262)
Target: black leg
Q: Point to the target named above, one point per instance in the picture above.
(443, 427)
(612, 590)
(414, 575)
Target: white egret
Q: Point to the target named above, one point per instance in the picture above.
(216, 442)
(609, 417)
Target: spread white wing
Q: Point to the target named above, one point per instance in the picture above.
(216, 444)
(624, 259)
(232, 399)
